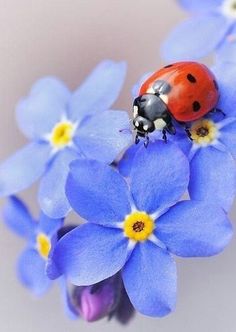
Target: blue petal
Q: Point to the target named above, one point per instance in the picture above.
(17, 217)
(159, 176)
(99, 91)
(226, 78)
(48, 225)
(194, 229)
(227, 50)
(196, 37)
(212, 177)
(126, 163)
(150, 280)
(97, 192)
(69, 308)
(23, 168)
(38, 113)
(228, 137)
(88, 254)
(200, 6)
(52, 198)
(182, 140)
(104, 136)
(52, 85)
(31, 272)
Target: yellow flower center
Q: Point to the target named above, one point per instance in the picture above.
(204, 132)
(229, 8)
(43, 245)
(62, 134)
(138, 226)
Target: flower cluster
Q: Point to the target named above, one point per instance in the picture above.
(141, 205)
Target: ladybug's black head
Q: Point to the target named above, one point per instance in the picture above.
(150, 113)
(143, 125)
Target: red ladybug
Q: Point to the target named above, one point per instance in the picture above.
(183, 91)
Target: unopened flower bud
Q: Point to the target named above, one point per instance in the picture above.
(97, 301)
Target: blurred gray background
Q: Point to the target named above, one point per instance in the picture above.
(67, 38)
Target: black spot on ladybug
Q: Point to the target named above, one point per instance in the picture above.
(216, 85)
(168, 66)
(196, 106)
(191, 78)
(161, 87)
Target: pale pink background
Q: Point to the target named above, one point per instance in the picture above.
(67, 38)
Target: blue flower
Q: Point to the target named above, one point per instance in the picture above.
(213, 149)
(211, 27)
(39, 236)
(64, 126)
(136, 227)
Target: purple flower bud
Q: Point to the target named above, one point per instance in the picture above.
(97, 301)
(104, 299)
(96, 305)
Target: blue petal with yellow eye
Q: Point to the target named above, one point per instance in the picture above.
(43, 108)
(95, 251)
(64, 126)
(31, 264)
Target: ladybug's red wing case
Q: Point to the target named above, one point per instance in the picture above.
(189, 89)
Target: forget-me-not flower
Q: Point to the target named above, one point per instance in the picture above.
(212, 27)
(39, 236)
(64, 126)
(136, 227)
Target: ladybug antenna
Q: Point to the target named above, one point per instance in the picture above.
(127, 130)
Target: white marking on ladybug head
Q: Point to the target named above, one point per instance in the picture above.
(136, 124)
(159, 124)
(150, 90)
(135, 110)
(164, 98)
(145, 127)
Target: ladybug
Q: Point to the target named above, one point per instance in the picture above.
(182, 91)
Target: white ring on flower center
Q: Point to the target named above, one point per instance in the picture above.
(229, 8)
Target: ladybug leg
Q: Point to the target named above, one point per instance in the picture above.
(188, 132)
(146, 141)
(164, 136)
(137, 139)
(170, 128)
(217, 110)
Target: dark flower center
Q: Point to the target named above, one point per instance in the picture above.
(202, 131)
(138, 226)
